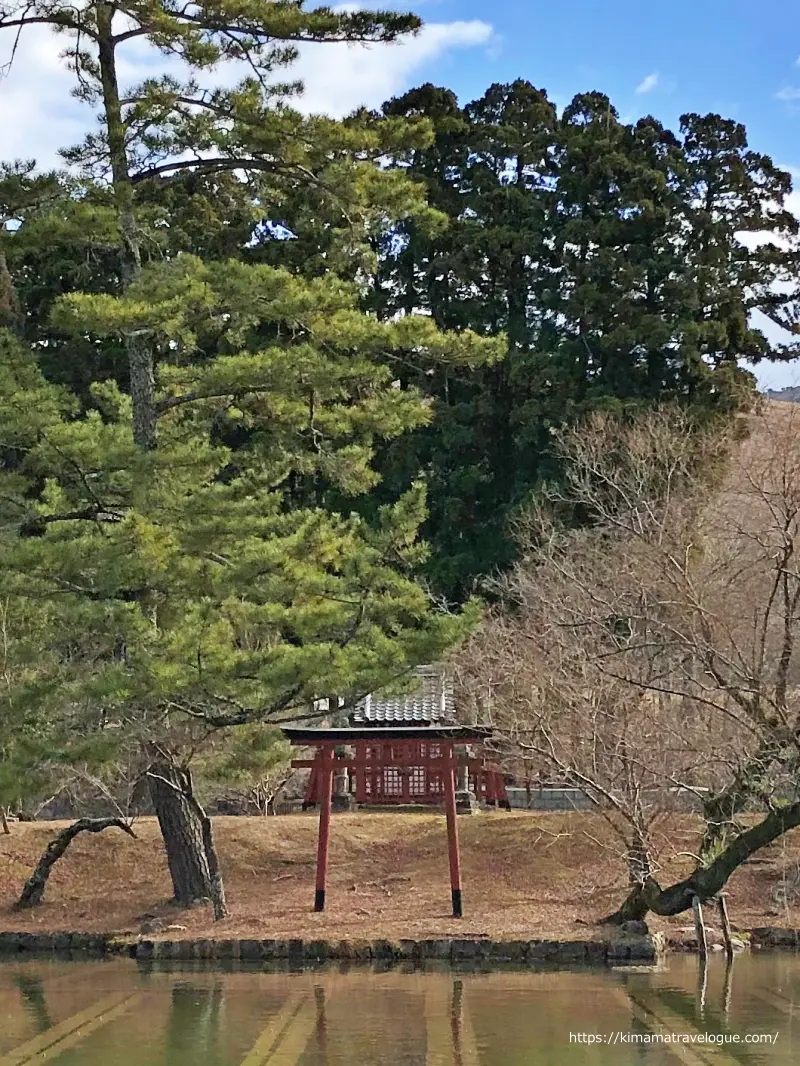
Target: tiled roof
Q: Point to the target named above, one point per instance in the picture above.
(431, 701)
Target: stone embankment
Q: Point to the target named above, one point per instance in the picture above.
(625, 947)
(632, 945)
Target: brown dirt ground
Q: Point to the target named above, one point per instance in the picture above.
(526, 875)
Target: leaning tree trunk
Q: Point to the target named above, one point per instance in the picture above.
(33, 892)
(188, 837)
(182, 832)
(706, 880)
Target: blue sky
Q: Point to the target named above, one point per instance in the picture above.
(737, 57)
(731, 56)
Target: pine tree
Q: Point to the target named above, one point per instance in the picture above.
(186, 579)
(47, 734)
(163, 523)
(143, 134)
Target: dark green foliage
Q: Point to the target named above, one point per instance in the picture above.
(179, 409)
(608, 255)
(251, 542)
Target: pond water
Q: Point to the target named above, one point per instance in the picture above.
(118, 1013)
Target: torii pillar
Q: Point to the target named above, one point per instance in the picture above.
(384, 740)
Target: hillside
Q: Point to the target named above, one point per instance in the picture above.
(524, 875)
(791, 394)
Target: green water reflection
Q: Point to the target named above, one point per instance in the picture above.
(116, 1013)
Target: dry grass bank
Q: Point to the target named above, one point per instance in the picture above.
(525, 874)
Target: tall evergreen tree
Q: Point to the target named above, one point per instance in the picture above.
(194, 582)
(731, 190)
(610, 255)
(186, 580)
(143, 134)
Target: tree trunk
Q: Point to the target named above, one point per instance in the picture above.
(33, 892)
(4, 821)
(706, 881)
(137, 347)
(640, 868)
(182, 832)
(216, 884)
(635, 908)
(143, 391)
(188, 837)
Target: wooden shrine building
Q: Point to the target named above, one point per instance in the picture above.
(406, 749)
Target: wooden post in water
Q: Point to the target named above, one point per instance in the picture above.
(325, 787)
(452, 831)
(726, 925)
(699, 927)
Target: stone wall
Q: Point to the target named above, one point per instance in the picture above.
(574, 799)
(619, 949)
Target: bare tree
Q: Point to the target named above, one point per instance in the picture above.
(654, 648)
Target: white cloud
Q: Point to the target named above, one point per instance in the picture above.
(37, 113)
(39, 116)
(646, 85)
(339, 78)
(789, 93)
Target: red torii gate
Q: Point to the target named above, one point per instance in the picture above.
(397, 764)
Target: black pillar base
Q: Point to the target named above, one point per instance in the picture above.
(319, 900)
(458, 907)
